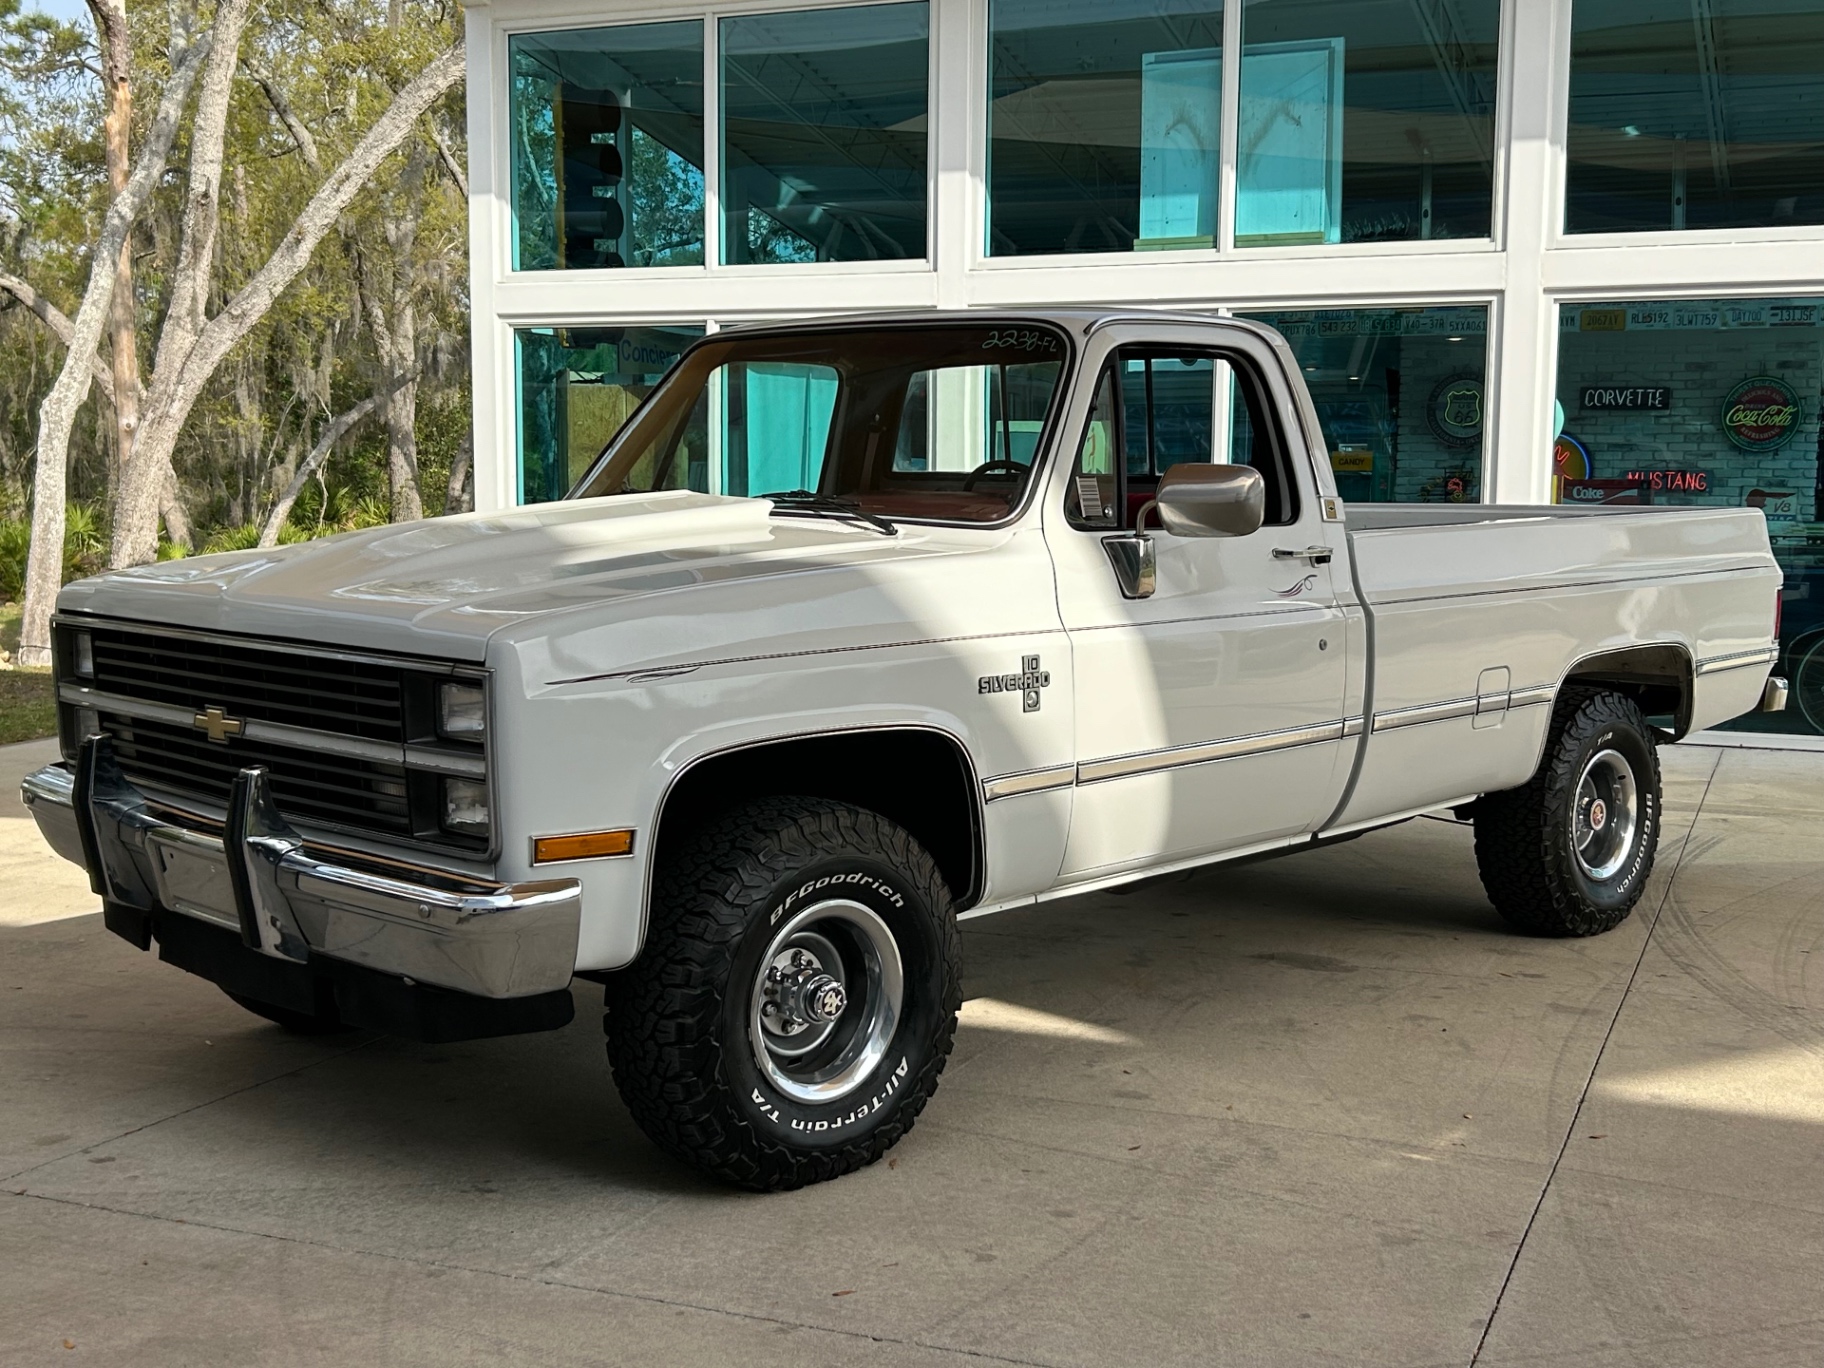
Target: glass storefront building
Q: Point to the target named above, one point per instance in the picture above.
(1525, 251)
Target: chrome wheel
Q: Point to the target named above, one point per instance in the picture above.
(826, 1000)
(1606, 816)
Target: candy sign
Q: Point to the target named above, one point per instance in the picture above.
(1761, 414)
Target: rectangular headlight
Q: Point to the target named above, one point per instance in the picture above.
(82, 655)
(465, 807)
(462, 711)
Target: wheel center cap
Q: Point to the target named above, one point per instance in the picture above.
(823, 998)
(1599, 815)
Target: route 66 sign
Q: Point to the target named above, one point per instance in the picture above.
(1456, 409)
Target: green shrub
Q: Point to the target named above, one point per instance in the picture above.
(242, 538)
(85, 548)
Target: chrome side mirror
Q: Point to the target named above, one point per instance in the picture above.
(1132, 555)
(1198, 500)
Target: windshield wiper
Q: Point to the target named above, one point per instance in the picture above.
(810, 501)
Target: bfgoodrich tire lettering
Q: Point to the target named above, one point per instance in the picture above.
(747, 1039)
(1569, 852)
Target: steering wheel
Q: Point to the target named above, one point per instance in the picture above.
(989, 467)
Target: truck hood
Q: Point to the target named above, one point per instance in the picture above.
(445, 586)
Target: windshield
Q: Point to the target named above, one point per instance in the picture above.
(900, 422)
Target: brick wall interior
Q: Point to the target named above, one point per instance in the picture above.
(1701, 368)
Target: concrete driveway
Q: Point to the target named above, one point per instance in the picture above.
(1319, 1110)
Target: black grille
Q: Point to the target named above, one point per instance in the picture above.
(306, 784)
(352, 697)
(373, 701)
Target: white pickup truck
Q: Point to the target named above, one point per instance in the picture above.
(856, 628)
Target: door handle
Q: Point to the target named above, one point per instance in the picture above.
(1317, 555)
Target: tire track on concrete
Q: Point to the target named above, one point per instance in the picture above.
(1595, 1063)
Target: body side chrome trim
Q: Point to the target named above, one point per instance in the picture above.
(1450, 709)
(1531, 698)
(1738, 660)
(1028, 781)
(1204, 752)
(1425, 712)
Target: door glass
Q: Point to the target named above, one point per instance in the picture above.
(1180, 407)
(1093, 499)
(1169, 411)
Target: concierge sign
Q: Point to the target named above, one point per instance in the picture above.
(1761, 414)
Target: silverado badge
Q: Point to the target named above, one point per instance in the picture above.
(218, 724)
(1027, 683)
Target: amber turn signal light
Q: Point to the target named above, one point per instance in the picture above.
(588, 845)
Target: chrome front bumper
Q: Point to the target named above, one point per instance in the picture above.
(258, 878)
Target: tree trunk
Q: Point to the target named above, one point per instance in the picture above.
(390, 296)
(177, 386)
(457, 498)
(176, 517)
(308, 467)
(57, 414)
(123, 326)
(402, 453)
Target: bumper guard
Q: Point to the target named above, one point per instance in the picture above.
(259, 880)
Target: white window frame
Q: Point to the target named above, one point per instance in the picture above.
(1522, 273)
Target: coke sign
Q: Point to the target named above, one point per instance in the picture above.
(1761, 414)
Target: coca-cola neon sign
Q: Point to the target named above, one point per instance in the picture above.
(1762, 414)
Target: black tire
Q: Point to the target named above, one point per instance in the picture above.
(1808, 680)
(298, 1023)
(684, 1023)
(1555, 856)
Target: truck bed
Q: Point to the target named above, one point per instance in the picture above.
(1476, 613)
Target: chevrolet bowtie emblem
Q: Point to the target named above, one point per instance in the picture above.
(218, 724)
